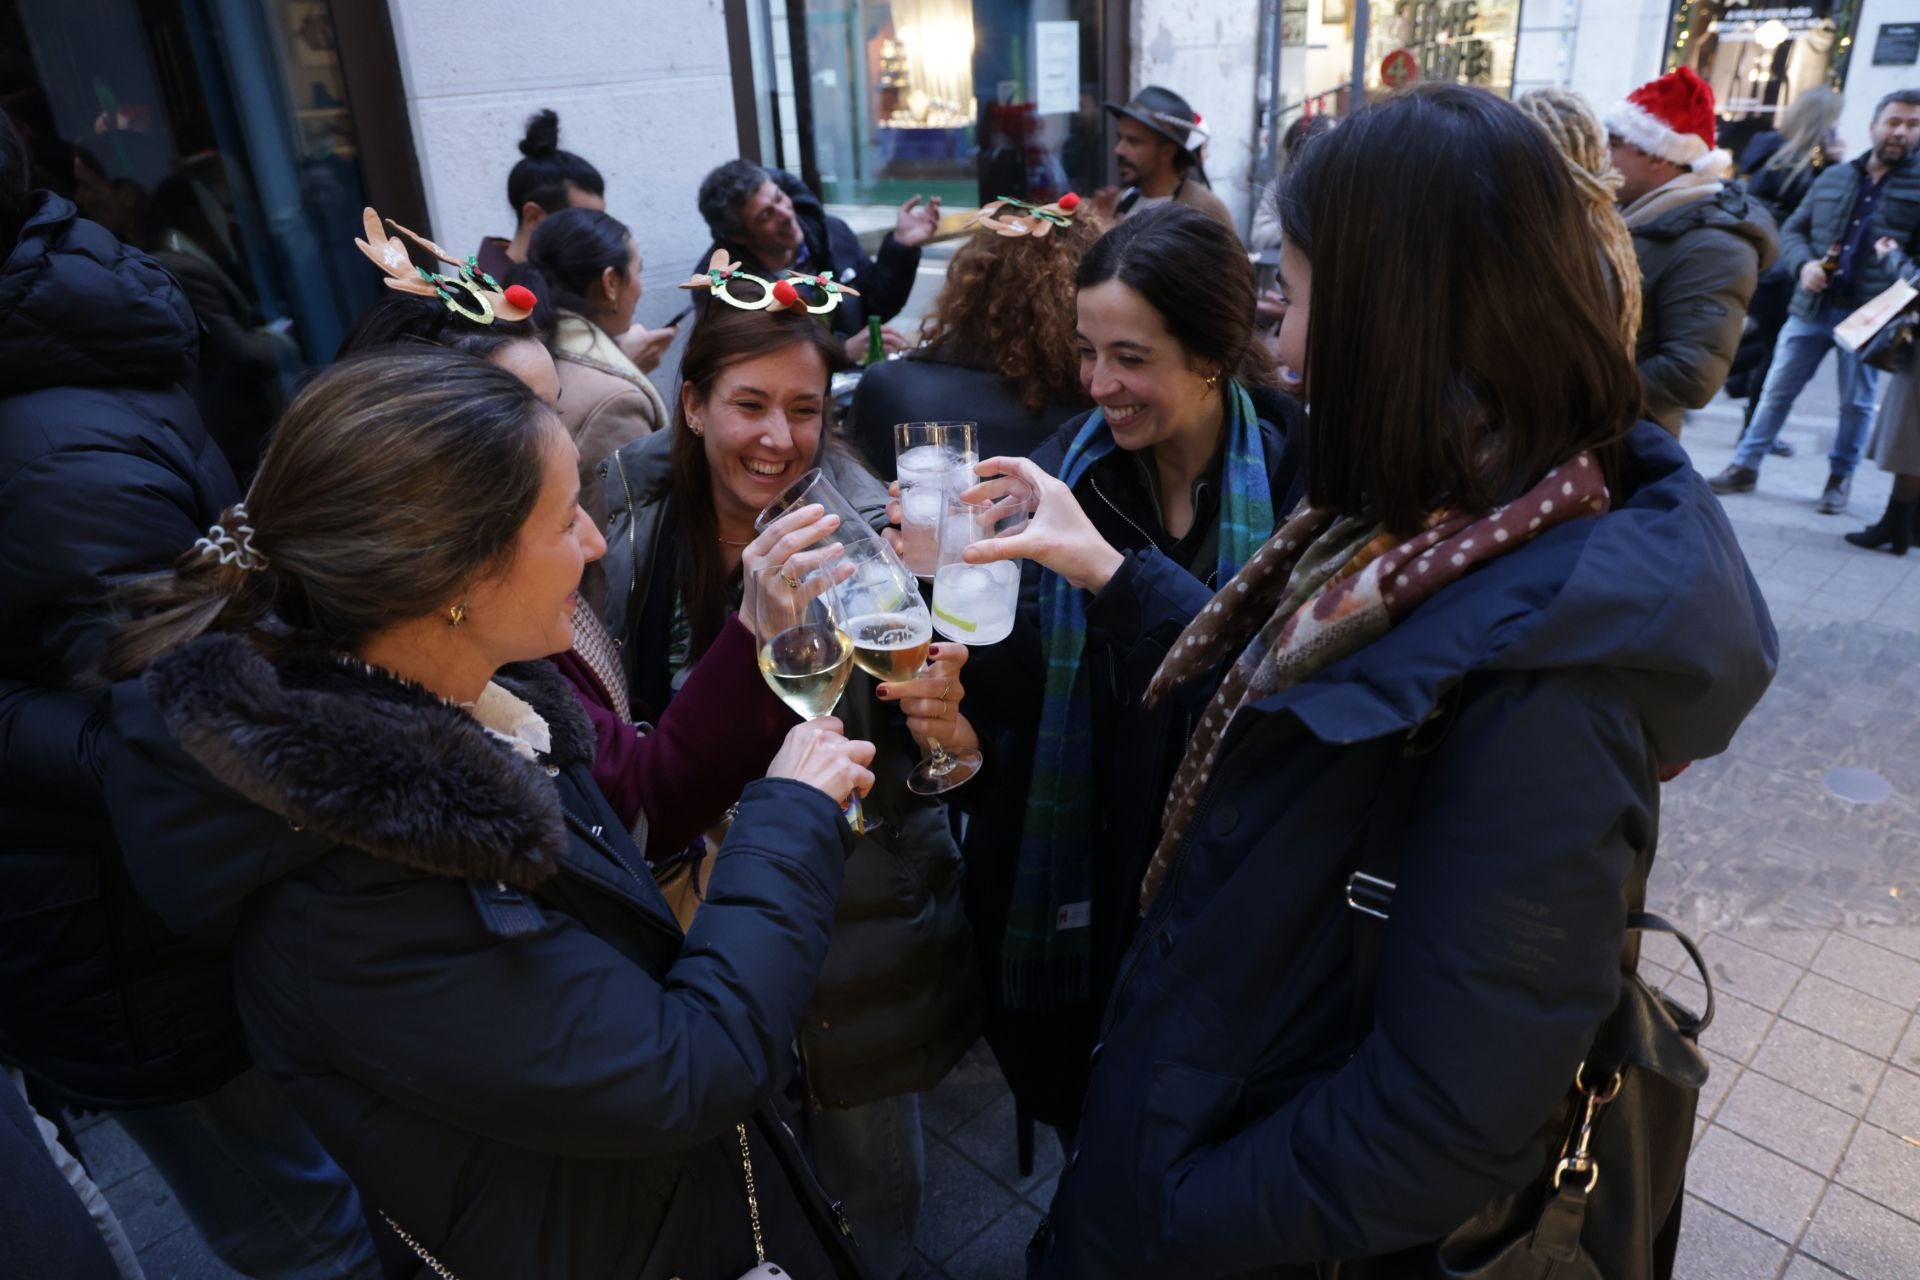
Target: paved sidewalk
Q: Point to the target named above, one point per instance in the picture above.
(1807, 904)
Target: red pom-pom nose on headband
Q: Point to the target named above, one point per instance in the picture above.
(1069, 202)
(518, 295)
(785, 294)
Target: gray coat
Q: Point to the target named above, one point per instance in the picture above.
(1698, 268)
(900, 999)
(1821, 220)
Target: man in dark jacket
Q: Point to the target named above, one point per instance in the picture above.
(770, 223)
(106, 474)
(1828, 245)
(1701, 239)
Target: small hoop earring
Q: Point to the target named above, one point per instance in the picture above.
(457, 614)
(1213, 380)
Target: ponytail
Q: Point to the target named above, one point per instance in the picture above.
(221, 583)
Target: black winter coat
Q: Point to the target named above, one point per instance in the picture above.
(1136, 751)
(1236, 1123)
(105, 475)
(884, 282)
(925, 387)
(455, 962)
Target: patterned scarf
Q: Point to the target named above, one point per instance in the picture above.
(1049, 938)
(1324, 588)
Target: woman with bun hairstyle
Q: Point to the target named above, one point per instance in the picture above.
(544, 180)
(340, 753)
(585, 269)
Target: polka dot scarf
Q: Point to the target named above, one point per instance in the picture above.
(1323, 588)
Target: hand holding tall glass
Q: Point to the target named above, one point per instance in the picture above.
(976, 603)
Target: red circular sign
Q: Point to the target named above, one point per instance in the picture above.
(1399, 69)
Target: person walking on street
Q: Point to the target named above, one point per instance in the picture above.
(770, 223)
(1781, 165)
(1895, 446)
(1701, 239)
(1160, 140)
(1828, 245)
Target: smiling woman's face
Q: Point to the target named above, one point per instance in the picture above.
(1139, 374)
(760, 424)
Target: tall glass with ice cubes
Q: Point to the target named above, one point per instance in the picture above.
(975, 603)
(933, 461)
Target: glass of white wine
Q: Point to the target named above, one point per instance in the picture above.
(891, 632)
(805, 654)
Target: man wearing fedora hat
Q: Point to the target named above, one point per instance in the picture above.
(1158, 155)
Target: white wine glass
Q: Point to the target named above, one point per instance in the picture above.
(805, 655)
(892, 632)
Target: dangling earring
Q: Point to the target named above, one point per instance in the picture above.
(1213, 380)
(457, 614)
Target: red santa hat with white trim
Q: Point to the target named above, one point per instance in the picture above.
(1672, 118)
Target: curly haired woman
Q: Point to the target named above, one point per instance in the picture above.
(999, 341)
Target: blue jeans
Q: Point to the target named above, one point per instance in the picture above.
(873, 1159)
(1802, 345)
(256, 1182)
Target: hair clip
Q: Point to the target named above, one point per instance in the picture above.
(231, 550)
(471, 292)
(1028, 219)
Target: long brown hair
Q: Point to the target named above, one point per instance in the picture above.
(727, 336)
(1464, 339)
(394, 481)
(1009, 301)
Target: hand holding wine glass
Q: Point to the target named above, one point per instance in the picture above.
(779, 541)
(930, 699)
(818, 753)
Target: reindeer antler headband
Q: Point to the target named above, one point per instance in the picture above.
(488, 301)
(1026, 219)
(784, 294)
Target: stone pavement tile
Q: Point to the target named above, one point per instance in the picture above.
(970, 1088)
(989, 1141)
(998, 1252)
(1752, 1183)
(1871, 969)
(1795, 946)
(1804, 1268)
(1751, 975)
(1837, 1074)
(1786, 1121)
(1721, 1073)
(146, 1208)
(183, 1256)
(110, 1155)
(1862, 1239)
(1880, 1166)
(1718, 1246)
(1849, 1016)
(1896, 1107)
(1905, 940)
(961, 1202)
(1908, 1054)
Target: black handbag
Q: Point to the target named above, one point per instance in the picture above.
(1606, 1205)
(1891, 349)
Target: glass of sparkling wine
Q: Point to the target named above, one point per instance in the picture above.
(975, 603)
(892, 632)
(931, 459)
(805, 654)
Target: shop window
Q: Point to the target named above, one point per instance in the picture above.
(1758, 58)
(219, 136)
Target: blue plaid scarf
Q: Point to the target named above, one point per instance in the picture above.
(1049, 940)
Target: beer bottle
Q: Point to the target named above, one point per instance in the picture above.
(1831, 263)
(877, 350)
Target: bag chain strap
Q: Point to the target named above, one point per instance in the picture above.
(443, 1271)
(753, 1200)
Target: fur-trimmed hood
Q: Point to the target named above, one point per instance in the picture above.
(341, 754)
